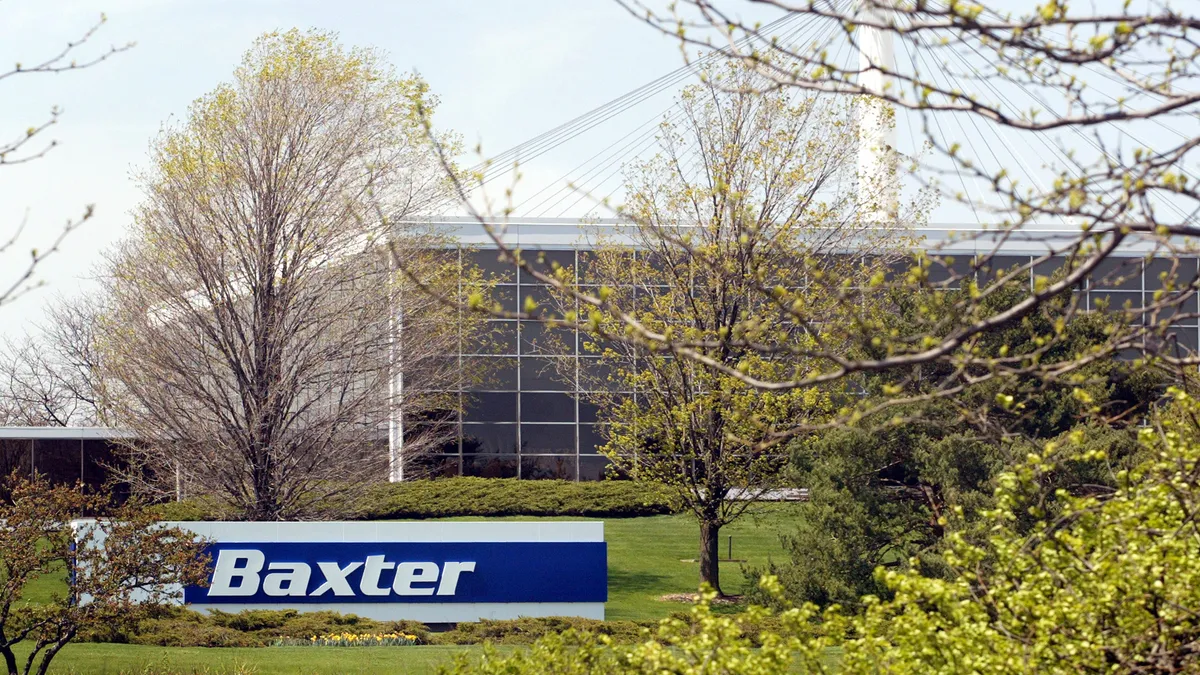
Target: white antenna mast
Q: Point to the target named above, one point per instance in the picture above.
(878, 192)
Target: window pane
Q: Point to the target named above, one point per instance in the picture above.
(1048, 268)
(543, 261)
(942, 268)
(1003, 264)
(439, 438)
(437, 373)
(491, 373)
(506, 297)
(488, 260)
(438, 466)
(1182, 341)
(489, 439)
(487, 466)
(438, 409)
(547, 408)
(544, 439)
(99, 459)
(1114, 301)
(591, 437)
(594, 468)
(1174, 307)
(491, 407)
(15, 455)
(1118, 274)
(588, 412)
(60, 460)
(537, 338)
(493, 337)
(541, 374)
(548, 301)
(562, 468)
(598, 375)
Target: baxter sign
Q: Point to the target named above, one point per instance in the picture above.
(426, 571)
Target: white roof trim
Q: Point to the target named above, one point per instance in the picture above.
(63, 433)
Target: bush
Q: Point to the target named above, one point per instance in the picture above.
(479, 497)
(450, 497)
(1101, 582)
(527, 631)
(699, 641)
(179, 627)
(198, 508)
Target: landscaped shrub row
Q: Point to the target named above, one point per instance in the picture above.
(177, 627)
(482, 497)
(512, 497)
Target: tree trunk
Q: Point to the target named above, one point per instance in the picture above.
(10, 660)
(710, 546)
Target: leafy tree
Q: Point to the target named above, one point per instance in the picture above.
(773, 187)
(1098, 583)
(1104, 582)
(879, 490)
(120, 567)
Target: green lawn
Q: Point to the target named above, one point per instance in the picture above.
(645, 556)
(135, 659)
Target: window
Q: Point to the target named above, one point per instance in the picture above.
(59, 459)
(489, 439)
(488, 260)
(486, 466)
(562, 468)
(490, 407)
(543, 374)
(548, 439)
(491, 373)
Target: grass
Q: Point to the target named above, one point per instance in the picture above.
(645, 554)
(644, 558)
(103, 659)
(135, 659)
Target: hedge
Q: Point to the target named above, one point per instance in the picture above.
(478, 497)
(178, 627)
(450, 497)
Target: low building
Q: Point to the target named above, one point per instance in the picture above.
(527, 420)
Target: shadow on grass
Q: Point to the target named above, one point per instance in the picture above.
(637, 583)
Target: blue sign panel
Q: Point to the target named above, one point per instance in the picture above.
(402, 572)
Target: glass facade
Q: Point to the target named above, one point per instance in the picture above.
(526, 417)
(63, 455)
(530, 418)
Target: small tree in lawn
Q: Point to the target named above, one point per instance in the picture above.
(748, 191)
(118, 568)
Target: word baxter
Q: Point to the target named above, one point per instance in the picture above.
(432, 571)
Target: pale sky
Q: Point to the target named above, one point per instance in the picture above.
(505, 72)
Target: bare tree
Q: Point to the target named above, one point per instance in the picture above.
(253, 311)
(52, 376)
